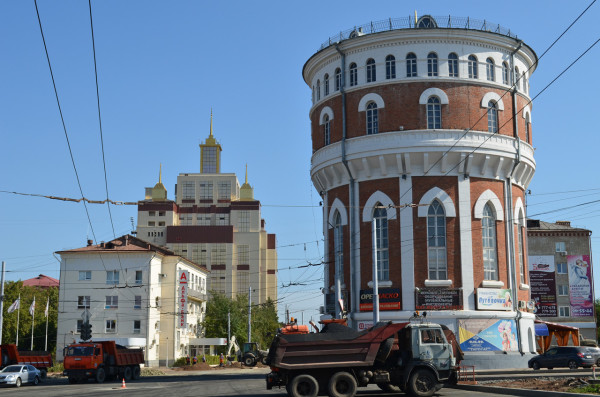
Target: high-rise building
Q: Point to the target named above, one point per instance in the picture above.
(216, 223)
(422, 152)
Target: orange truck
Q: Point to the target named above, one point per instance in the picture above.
(11, 355)
(100, 361)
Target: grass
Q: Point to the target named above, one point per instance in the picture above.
(589, 389)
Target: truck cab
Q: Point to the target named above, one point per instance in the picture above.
(83, 359)
(428, 346)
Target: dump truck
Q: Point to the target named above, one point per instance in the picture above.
(100, 361)
(414, 357)
(11, 355)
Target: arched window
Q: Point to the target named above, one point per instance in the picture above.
(313, 93)
(338, 79)
(472, 66)
(338, 246)
(492, 113)
(490, 69)
(326, 84)
(434, 113)
(371, 73)
(318, 90)
(326, 130)
(527, 129)
(505, 73)
(390, 67)
(518, 77)
(436, 242)
(432, 64)
(411, 65)
(372, 119)
(353, 75)
(524, 78)
(380, 227)
(453, 65)
(521, 253)
(488, 234)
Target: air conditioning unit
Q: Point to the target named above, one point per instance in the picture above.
(162, 275)
(522, 304)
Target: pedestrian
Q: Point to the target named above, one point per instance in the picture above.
(203, 358)
(221, 360)
(195, 360)
(187, 359)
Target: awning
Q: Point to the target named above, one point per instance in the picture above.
(541, 330)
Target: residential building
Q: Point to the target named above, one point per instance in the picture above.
(216, 223)
(422, 153)
(561, 274)
(41, 281)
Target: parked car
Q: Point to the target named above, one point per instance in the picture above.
(563, 356)
(19, 374)
(595, 352)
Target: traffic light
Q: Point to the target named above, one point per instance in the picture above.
(86, 331)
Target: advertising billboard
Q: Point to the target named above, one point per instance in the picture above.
(182, 298)
(481, 335)
(542, 281)
(580, 288)
(438, 299)
(389, 299)
(494, 299)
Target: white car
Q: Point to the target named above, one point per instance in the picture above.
(19, 374)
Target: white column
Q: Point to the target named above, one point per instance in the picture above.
(355, 234)
(326, 205)
(466, 243)
(407, 256)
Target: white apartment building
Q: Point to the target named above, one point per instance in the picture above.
(129, 288)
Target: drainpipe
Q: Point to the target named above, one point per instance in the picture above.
(354, 287)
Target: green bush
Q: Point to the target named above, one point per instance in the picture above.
(57, 367)
(180, 362)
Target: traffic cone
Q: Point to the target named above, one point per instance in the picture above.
(123, 385)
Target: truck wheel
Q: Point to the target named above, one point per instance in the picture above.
(249, 361)
(342, 384)
(72, 380)
(389, 388)
(100, 375)
(43, 374)
(127, 373)
(304, 386)
(136, 373)
(263, 360)
(422, 383)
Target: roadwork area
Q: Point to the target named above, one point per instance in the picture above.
(548, 384)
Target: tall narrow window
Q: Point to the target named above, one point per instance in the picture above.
(432, 64)
(326, 84)
(338, 79)
(112, 277)
(518, 78)
(490, 69)
(338, 243)
(492, 114)
(371, 71)
(453, 65)
(527, 129)
(488, 234)
(326, 129)
(318, 90)
(505, 73)
(434, 113)
(390, 67)
(380, 224)
(411, 65)
(521, 254)
(436, 242)
(524, 78)
(353, 75)
(472, 66)
(372, 119)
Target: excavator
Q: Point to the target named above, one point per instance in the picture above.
(249, 355)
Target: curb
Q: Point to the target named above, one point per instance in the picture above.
(518, 392)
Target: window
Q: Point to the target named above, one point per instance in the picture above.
(243, 282)
(431, 336)
(206, 190)
(518, 77)
(217, 281)
(222, 219)
(560, 246)
(564, 311)
(561, 268)
(161, 213)
(505, 73)
(209, 160)
(189, 191)
(521, 253)
(326, 84)
(244, 221)
(137, 326)
(492, 113)
(151, 213)
(353, 75)
(224, 190)
(524, 78)
(390, 67)
(83, 302)
(318, 90)
(453, 65)
(338, 79)
(79, 325)
(203, 219)
(488, 233)
(85, 275)
(137, 302)
(472, 66)
(411, 65)
(372, 119)
(326, 130)
(243, 252)
(527, 129)
(434, 113)
(218, 254)
(152, 223)
(338, 246)
(489, 69)
(112, 302)
(112, 277)
(371, 71)
(138, 276)
(432, 64)
(563, 290)
(111, 326)
(380, 224)
(436, 241)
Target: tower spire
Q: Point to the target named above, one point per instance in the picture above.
(246, 180)
(211, 134)
(160, 173)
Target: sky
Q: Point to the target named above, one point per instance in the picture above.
(162, 67)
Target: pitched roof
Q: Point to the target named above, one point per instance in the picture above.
(41, 281)
(126, 243)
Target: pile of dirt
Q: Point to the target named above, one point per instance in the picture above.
(550, 384)
(194, 367)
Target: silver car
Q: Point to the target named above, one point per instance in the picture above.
(19, 374)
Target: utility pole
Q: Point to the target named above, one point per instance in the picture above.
(228, 327)
(2, 301)
(249, 313)
(375, 281)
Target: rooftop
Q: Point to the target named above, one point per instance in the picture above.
(537, 225)
(41, 281)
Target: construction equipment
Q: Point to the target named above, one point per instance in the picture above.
(251, 354)
(232, 346)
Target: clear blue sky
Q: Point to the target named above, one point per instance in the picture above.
(163, 65)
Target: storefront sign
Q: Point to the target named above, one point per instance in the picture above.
(389, 299)
(182, 299)
(481, 335)
(494, 299)
(438, 299)
(542, 281)
(580, 289)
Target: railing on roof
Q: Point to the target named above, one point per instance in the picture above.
(443, 22)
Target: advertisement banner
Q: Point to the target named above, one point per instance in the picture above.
(580, 289)
(494, 299)
(182, 299)
(542, 281)
(438, 299)
(389, 299)
(482, 335)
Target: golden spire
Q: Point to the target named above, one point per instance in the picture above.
(211, 134)
(246, 180)
(160, 173)
(246, 191)
(159, 192)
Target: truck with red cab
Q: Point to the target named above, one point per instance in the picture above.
(11, 356)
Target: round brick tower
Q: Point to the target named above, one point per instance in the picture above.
(421, 135)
